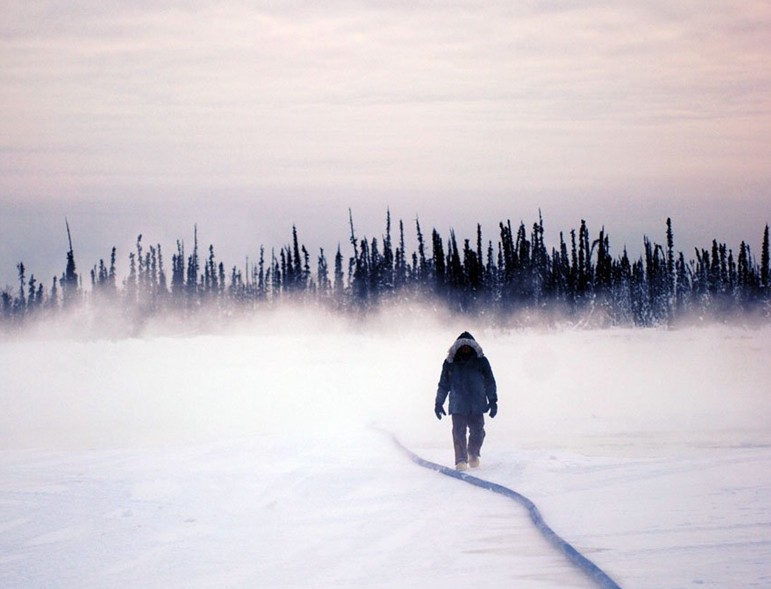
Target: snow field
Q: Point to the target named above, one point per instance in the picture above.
(247, 461)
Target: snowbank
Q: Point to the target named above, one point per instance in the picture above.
(246, 460)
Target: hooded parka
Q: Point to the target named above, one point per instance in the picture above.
(468, 379)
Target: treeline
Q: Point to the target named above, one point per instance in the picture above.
(515, 277)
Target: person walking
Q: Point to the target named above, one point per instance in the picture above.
(468, 379)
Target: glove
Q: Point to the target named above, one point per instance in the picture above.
(493, 409)
(439, 410)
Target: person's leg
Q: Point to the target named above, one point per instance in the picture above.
(459, 426)
(476, 425)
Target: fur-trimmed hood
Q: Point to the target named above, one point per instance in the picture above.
(465, 339)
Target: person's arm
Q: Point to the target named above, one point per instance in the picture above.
(442, 390)
(491, 389)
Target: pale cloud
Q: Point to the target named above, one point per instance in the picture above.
(551, 101)
(229, 92)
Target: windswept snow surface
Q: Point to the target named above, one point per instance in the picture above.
(249, 461)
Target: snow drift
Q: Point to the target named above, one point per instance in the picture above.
(247, 460)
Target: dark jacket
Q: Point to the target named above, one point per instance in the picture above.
(469, 381)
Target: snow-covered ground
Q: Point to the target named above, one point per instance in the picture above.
(250, 460)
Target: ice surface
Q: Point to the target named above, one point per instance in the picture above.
(248, 460)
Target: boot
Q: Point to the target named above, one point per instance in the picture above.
(473, 461)
(461, 466)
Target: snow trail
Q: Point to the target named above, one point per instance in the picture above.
(583, 563)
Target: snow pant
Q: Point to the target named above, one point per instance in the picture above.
(475, 425)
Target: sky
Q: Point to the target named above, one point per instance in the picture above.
(146, 118)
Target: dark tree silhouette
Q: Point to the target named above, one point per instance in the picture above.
(513, 278)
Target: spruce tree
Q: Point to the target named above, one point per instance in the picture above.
(161, 272)
(683, 286)
(261, 279)
(388, 257)
(32, 292)
(69, 282)
(305, 276)
(130, 285)
(193, 267)
(53, 300)
(440, 271)
(20, 304)
(112, 273)
(400, 271)
(423, 268)
(670, 263)
(339, 283)
(764, 265)
(322, 274)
